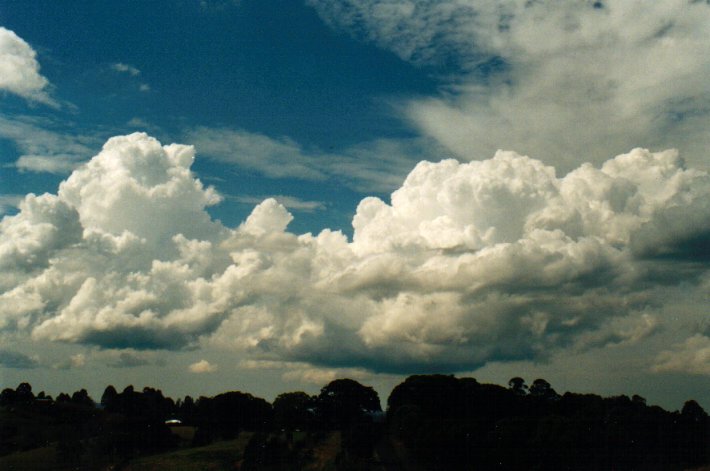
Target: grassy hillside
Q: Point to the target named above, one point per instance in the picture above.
(319, 455)
(217, 456)
(38, 459)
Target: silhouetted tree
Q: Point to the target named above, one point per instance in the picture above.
(693, 411)
(449, 424)
(229, 413)
(8, 397)
(518, 386)
(186, 410)
(446, 423)
(445, 420)
(109, 396)
(81, 398)
(136, 422)
(345, 401)
(695, 435)
(24, 393)
(636, 399)
(293, 410)
(44, 397)
(542, 389)
(63, 397)
(440, 394)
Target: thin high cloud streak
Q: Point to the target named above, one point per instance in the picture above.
(289, 202)
(375, 166)
(19, 70)
(469, 263)
(44, 149)
(565, 81)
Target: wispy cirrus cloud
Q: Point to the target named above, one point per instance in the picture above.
(271, 157)
(289, 202)
(43, 148)
(60, 164)
(375, 166)
(551, 77)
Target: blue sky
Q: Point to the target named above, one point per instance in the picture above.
(272, 68)
(361, 188)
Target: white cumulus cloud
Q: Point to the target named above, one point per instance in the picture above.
(19, 69)
(691, 356)
(202, 366)
(468, 263)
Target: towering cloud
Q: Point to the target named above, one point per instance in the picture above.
(469, 263)
(19, 69)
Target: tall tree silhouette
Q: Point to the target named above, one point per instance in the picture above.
(344, 402)
(293, 410)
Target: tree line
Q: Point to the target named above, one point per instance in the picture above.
(441, 422)
(452, 423)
